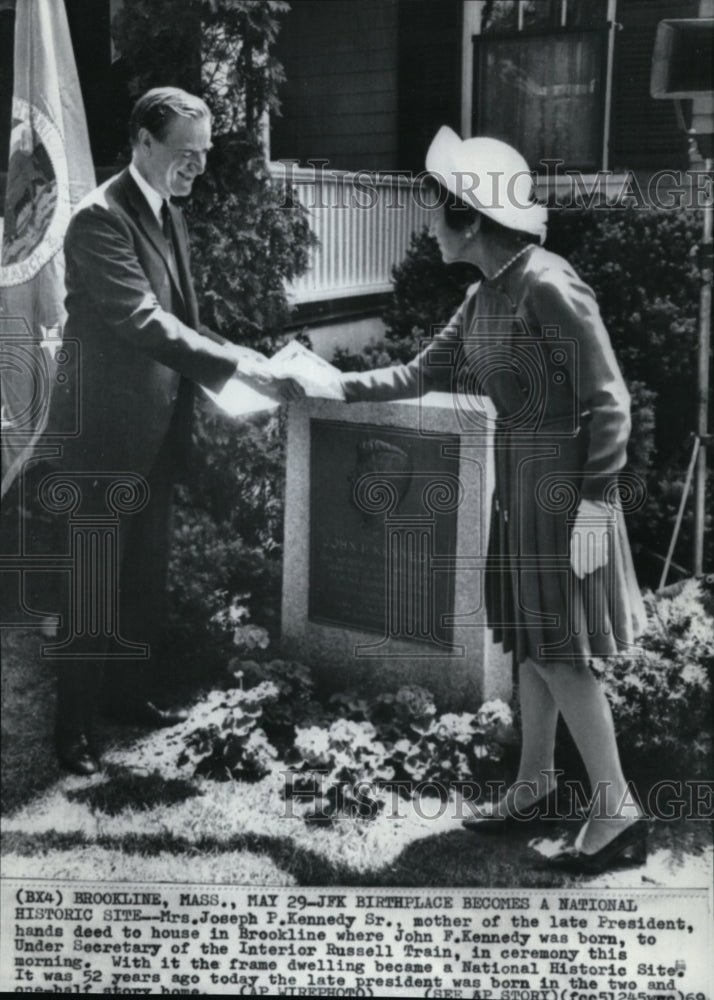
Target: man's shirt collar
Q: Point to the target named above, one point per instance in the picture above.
(153, 197)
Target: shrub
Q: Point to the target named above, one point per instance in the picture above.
(296, 704)
(211, 568)
(349, 765)
(340, 754)
(408, 712)
(661, 695)
(456, 746)
(248, 233)
(340, 768)
(228, 533)
(426, 292)
(642, 265)
(223, 740)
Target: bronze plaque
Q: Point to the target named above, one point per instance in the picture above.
(383, 509)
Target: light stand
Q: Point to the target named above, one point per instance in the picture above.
(705, 324)
(681, 69)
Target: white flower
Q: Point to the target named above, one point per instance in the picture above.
(494, 713)
(313, 744)
(696, 675)
(450, 726)
(258, 747)
(352, 734)
(251, 637)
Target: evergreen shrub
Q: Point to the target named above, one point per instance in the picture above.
(661, 694)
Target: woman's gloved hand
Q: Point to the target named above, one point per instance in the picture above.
(590, 540)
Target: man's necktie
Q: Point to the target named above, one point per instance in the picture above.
(166, 225)
(176, 268)
(168, 231)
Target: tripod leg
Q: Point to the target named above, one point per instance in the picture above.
(680, 512)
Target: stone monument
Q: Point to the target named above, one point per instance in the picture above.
(386, 531)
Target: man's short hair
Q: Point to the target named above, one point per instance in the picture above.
(157, 108)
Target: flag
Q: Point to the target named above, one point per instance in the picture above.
(49, 171)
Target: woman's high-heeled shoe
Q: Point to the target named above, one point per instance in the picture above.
(499, 819)
(629, 847)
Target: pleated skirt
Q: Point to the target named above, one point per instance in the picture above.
(536, 605)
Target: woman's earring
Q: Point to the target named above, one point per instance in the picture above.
(469, 234)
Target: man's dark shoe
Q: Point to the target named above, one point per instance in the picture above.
(75, 753)
(147, 714)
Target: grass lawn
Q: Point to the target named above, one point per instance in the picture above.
(146, 818)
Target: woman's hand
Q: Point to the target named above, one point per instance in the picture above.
(590, 540)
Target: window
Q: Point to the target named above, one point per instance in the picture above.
(540, 78)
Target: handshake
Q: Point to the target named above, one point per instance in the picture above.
(262, 383)
(255, 370)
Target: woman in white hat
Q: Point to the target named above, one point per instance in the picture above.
(560, 584)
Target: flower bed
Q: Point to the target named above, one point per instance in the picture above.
(348, 756)
(352, 753)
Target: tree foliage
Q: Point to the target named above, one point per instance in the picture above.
(642, 265)
(248, 233)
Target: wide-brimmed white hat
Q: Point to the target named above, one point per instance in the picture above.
(490, 176)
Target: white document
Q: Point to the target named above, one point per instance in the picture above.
(318, 377)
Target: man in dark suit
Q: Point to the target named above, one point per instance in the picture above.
(132, 308)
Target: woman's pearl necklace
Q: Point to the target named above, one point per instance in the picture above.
(513, 259)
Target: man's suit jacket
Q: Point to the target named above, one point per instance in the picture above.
(136, 355)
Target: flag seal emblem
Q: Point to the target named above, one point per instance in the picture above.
(37, 202)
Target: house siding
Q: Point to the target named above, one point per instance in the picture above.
(429, 75)
(340, 99)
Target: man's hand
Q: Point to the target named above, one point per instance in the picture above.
(254, 370)
(251, 364)
(284, 390)
(590, 541)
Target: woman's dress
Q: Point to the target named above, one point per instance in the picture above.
(533, 341)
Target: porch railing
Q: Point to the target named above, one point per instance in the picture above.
(363, 223)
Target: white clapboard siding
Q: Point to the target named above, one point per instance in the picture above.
(363, 223)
